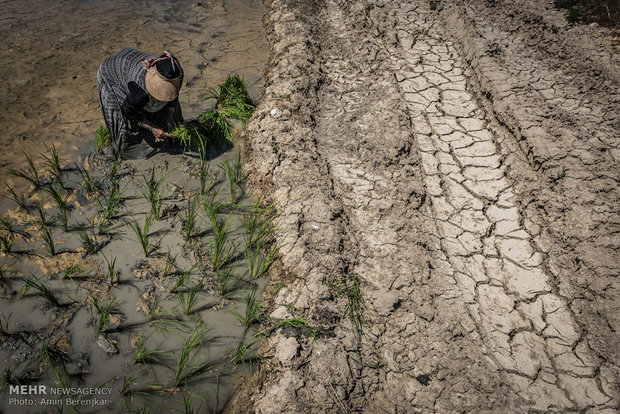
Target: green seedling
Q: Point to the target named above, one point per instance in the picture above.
(58, 367)
(259, 224)
(52, 162)
(212, 207)
(145, 355)
(88, 184)
(103, 138)
(43, 220)
(232, 99)
(165, 319)
(190, 221)
(259, 264)
(253, 310)
(72, 271)
(4, 324)
(206, 182)
(184, 369)
(19, 199)
(223, 249)
(31, 174)
(227, 282)
(111, 174)
(152, 193)
(89, 244)
(349, 288)
(143, 235)
(189, 297)
(235, 177)
(216, 126)
(171, 262)
(190, 135)
(63, 208)
(6, 241)
(112, 272)
(48, 240)
(104, 311)
(185, 276)
(41, 289)
(112, 204)
(9, 377)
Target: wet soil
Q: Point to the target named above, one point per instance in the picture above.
(460, 159)
(55, 49)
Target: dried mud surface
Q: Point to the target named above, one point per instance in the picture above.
(461, 160)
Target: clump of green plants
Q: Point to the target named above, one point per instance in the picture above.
(152, 193)
(232, 98)
(235, 176)
(146, 355)
(142, 232)
(103, 138)
(190, 219)
(41, 289)
(227, 282)
(259, 263)
(190, 135)
(51, 357)
(52, 163)
(89, 243)
(104, 311)
(223, 248)
(19, 199)
(48, 240)
(88, 184)
(189, 297)
(61, 203)
(30, 174)
(348, 287)
(259, 224)
(7, 235)
(253, 310)
(184, 369)
(9, 377)
(112, 271)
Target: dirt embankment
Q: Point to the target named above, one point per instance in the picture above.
(459, 162)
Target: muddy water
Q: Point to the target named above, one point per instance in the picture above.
(55, 49)
(52, 51)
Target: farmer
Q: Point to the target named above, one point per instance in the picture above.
(138, 93)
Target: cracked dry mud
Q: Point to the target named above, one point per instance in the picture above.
(462, 162)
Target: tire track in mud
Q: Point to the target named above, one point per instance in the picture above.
(498, 263)
(383, 164)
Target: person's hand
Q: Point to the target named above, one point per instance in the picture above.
(159, 134)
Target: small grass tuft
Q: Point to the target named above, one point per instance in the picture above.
(348, 287)
(103, 138)
(42, 289)
(145, 355)
(30, 174)
(104, 311)
(142, 232)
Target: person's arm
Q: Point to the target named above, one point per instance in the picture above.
(131, 106)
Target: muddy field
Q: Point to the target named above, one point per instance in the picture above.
(445, 177)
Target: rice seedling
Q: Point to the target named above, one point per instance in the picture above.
(227, 282)
(43, 220)
(89, 244)
(190, 135)
(216, 126)
(170, 265)
(206, 182)
(223, 249)
(259, 224)
(259, 264)
(180, 283)
(253, 310)
(111, 174)
(112, 272)
(232, 98)
(88, 184)
(63, 208)
(72, 271)
(164, 319)
(6, 241)
(103, 138)
(348, 287)
(152, 193)
(143, 235)
(212, 207)
(30, 174)
(243, 352)
(189, 297)
(9, 377)
(4, 324)
(235, 177)
(52, 162)
(127, 387)
(184, 370)
(112, 204)
(145, 355)
(19, 199)
(59, 368)
(190, 220)
(41, 289)
(188, 403)
(103, 311)
(48, 240)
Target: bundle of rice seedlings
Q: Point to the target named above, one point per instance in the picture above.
(103, 138)
(232, 98)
